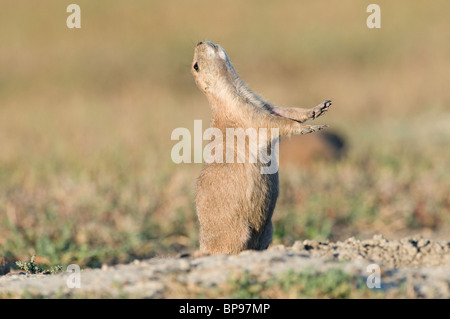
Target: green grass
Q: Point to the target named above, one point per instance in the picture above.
(334, 284)
(31, 267)
(308, 283)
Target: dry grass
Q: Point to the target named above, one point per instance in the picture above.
(86, 117)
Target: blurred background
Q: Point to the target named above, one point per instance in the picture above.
(86, 117)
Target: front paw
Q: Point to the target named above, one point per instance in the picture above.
(312, 128)
(320, 109)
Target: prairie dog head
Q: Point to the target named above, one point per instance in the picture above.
(212, 69)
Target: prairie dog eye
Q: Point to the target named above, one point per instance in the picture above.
(196, 67)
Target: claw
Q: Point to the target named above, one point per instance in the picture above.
(313, 128)
(320, 109)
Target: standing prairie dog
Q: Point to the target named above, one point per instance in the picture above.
(235, 202)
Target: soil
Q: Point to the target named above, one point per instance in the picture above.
(417, 267)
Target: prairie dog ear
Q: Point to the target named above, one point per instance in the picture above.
(222, 53)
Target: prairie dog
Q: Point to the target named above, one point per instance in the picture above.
(234, 201)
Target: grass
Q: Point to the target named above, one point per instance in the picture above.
(86, 116)
(31, 267)
(397, 189)
(305, 284)
(334, 284)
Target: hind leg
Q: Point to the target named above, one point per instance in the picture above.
(223, 239)
(266, 237)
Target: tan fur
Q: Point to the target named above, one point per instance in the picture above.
(235, 202)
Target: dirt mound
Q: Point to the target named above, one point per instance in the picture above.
(409, 268)
(407, 252)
